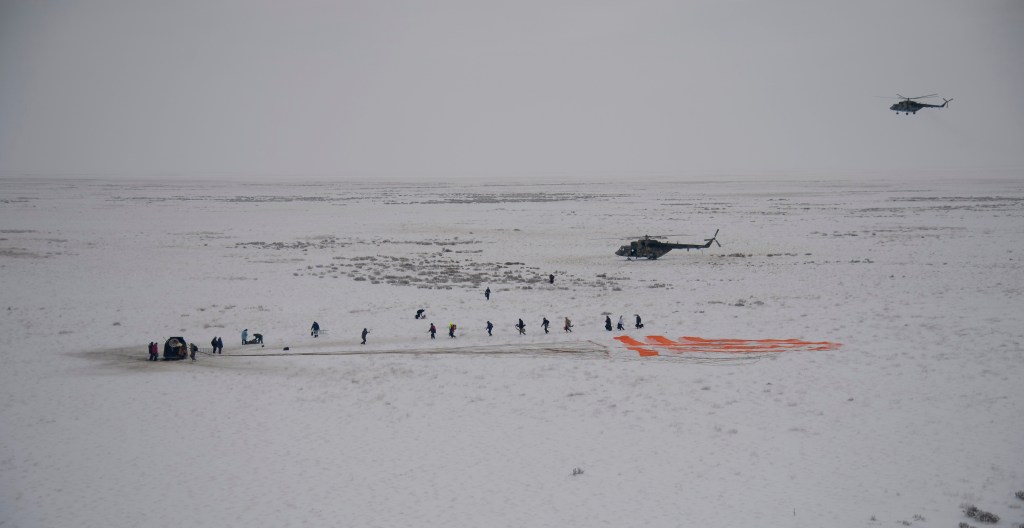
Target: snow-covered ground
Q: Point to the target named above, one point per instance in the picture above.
(916, 414)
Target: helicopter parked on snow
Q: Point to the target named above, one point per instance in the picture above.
(650, 249)
(909, 105)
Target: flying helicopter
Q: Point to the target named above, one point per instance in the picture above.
(649, 248)
(909, 105)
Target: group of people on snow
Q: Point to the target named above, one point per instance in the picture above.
(520, 325)
(257, 339)
(175, 348)
(621, 324)
(217, 343)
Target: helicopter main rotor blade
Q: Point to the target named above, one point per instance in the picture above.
(918, 97)
(635, 237)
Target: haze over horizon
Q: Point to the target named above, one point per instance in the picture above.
(452, 88)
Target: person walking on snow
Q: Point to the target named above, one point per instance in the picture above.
(433, 330)
(315, 329)
(638, 323)
(489, 327)
(245, 336)
(551, 278)
(365, 331)
(568, 325)
(545, 324)
(487, 294)
(220, 345)
(522, 327)
(621, 325)
(451, 330)
(608, 323)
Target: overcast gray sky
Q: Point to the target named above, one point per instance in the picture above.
(362, 89)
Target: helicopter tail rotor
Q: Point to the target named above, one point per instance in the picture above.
(714, 238)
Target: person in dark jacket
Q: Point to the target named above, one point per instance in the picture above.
(521, 326)
(257, 339)
(568, 325)
(365, 331)
(419, 314)
(608, 323)
(315, 329)
(490, 327)
(545, 324)
(192, 349)
(220, 345)
(551, 278)
(639, 324)
(487, 294)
